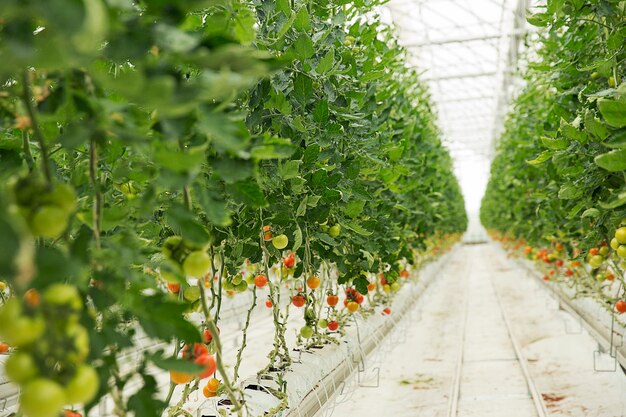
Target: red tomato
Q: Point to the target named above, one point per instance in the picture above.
(593, 251)
(333, 325)
(545, 278)
(371, 286)
(620, 306)
(359, 298)
(289, 261)
(4, 348)
(559, 263)
(174, 287)
(267, 233)
(569, 272)
(70, 413)
(387, 311)
(268, 303)
(260, 281)
(298, 300)
(208, 337)
(332, 300)
(208, 361)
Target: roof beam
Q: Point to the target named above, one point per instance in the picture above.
(460, 76)
(464, 39)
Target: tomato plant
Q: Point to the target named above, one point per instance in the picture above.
(557, 180)
(159, 159)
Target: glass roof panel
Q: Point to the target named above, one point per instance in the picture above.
(466, 51)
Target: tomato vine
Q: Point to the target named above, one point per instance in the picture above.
(157, 156)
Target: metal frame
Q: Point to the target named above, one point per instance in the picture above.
(467, 51)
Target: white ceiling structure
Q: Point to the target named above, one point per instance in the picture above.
(467, 53)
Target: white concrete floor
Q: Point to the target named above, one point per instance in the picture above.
(417, 376)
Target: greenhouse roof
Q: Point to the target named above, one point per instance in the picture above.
(467, 52)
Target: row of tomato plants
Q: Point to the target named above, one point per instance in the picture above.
(557, 191)
(158, 157)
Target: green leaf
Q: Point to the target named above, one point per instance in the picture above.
(595, 127)
(244, 26)
(326, 62)
(249, 193)
(290, 169)
(618, 201)
(303, 21)
(172, 363)
(614, 112)
(303, 47)
(554, 143)
(357, 228)
(612, 161)
(9, 245)
(541, 158)
(301, 210)
(354, 208)
(297, 239)
(184, 223)
(617, 140)
(591, 212)
(273, 148)
(320, 113)
(538, 19)
(571, 131)
(570, 192)
(360, 284)
(302, 88)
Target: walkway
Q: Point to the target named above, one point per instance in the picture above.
(441, 370)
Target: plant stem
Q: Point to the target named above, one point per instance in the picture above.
(30, 108)
(97, 201)
(245, 334)
(210, 324)
(27, 153)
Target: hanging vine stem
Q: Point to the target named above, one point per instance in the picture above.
(27, 153)
(178, 408)
(279, 336)
(245, 334)
(97, 201)
(32, 113)
(219, 285)
(210, 324)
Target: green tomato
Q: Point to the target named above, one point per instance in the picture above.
(170, 245)
(334, 230)
(250, 278)
(83, 386)
(621, 251)
(280, 241)
(306, 331)
(237, 279)
(620, 235)
(42, 397)
(242, 286)
(49, 221)
(81, 343)
(23, 331)
(596, 261)
(197, 264)
(614, 243)
(322, 323)
(62, 196)
(63, 295)
(227, 285)
(192, 294)
(604, 250)
(20, 367)
(395, 286)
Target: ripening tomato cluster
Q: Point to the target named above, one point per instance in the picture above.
(46, 208)
(49, 363)
(198, 353)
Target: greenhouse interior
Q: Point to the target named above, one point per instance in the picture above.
(312, 208)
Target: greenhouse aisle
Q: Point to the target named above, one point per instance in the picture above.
(418, 377)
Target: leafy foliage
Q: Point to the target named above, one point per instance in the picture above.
(127, 126)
